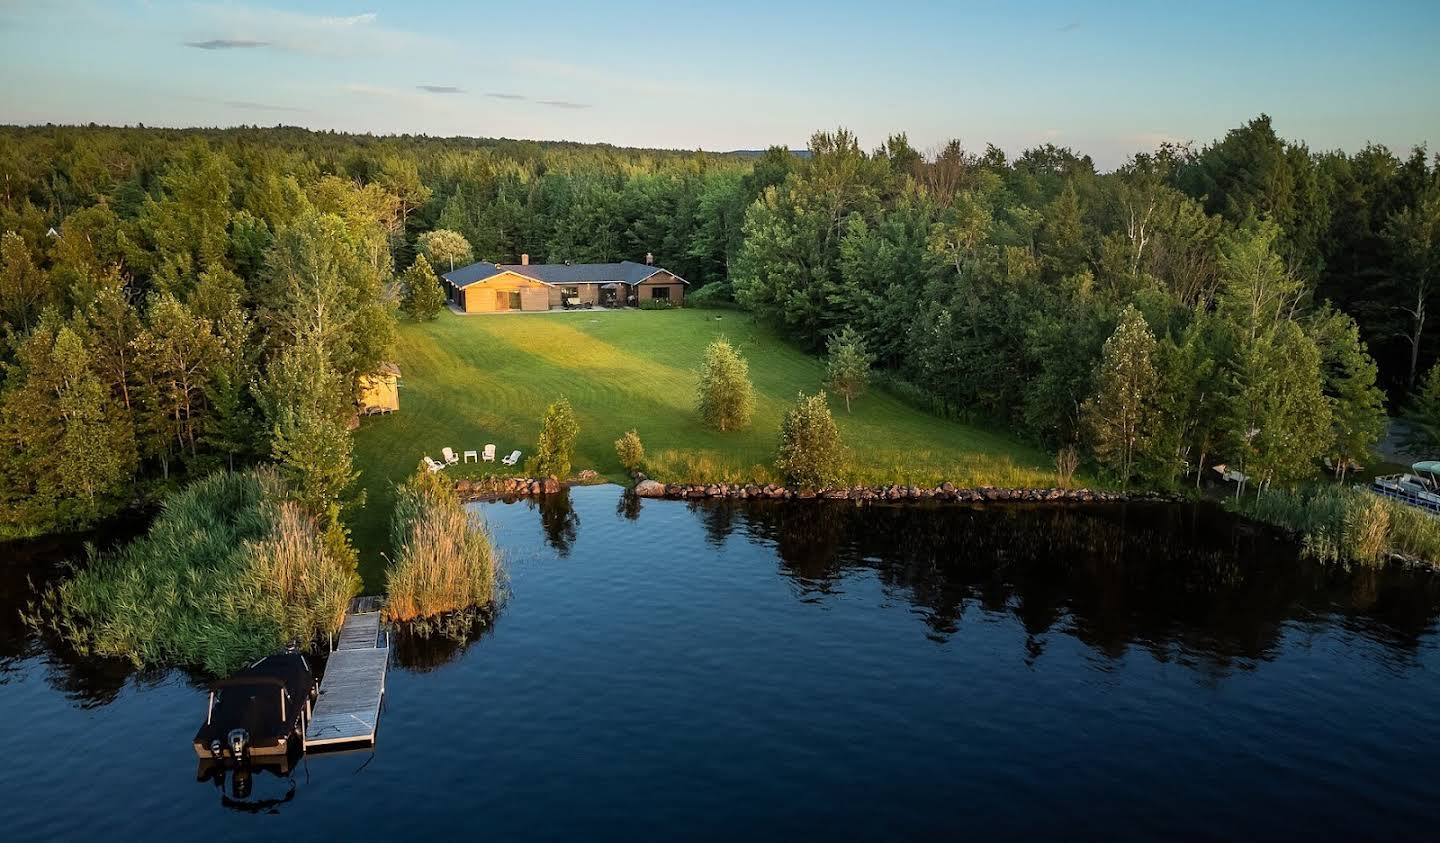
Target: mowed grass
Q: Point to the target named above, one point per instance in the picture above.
(471, 380)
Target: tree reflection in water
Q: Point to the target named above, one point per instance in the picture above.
(558, 519)
(1187, 582)
(423, 646)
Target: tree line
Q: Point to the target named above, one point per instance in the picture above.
(174, 301)
(1223, 304)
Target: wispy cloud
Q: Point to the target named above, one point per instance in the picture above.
(367, 17)
(1069, 27)
(507, 96)
(227, 44)
(262, 106)
(562, 104)
(441, 89)
(354, 36)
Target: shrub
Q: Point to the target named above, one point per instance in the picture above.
(726, 400)
(630, 450)
(720, 294)
(1339, 524)
(1067, 461)
(444, 560)
(656, 304)
(811, 453)
(230, 570)
(556, 444)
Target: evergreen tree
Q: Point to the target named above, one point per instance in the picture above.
(1121, 414)
(1422, 416)
(307, 404)
(1278, 422)
(556, 445)
(848, 370)
(422, 297)
(811, 454)
(725, 400)
(1357, 405)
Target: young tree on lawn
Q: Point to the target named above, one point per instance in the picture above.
(726, 400)
(630, 450)
(1119, 415)
(422, 297)
(556, 444)
(811, 454)
(848, 370)
(445, 248)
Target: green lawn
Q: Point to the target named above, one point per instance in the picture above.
(469, 380)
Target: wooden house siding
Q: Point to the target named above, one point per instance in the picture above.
(661, 280)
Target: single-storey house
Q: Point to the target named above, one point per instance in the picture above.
(489, 287)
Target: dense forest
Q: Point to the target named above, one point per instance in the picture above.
(175, 301)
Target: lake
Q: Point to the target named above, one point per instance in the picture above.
(811, 670)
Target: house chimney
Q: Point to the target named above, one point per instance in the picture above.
(649, 259)
(524, 260)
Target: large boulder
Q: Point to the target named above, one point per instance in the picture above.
(650, 489)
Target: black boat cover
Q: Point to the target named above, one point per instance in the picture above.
(251, 699)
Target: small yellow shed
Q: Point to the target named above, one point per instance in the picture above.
(380, 391)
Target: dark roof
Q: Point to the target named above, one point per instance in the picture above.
(628, 272)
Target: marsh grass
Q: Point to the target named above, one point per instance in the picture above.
(1348, 525)
(230, 570)
(444, 562)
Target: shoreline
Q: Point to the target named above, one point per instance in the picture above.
(473, 491)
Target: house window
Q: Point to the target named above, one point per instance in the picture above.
(514, 300)
(660, 293)
(571, 292)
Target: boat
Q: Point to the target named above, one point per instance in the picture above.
(260, 712)
(1419, 488)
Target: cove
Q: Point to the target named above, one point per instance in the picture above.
(771, 670)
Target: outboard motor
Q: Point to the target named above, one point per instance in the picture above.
(239, 743)
(217, 749)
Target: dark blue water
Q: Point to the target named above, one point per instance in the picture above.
(818, 671)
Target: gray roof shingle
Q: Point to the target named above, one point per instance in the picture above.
(628, 272)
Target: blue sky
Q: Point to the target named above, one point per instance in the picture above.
(1107, 78)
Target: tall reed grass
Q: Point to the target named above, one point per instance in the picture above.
(444, 559)
(1348, 525)
(230, 570)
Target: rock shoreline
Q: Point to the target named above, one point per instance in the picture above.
(944, 492)
(519, 487)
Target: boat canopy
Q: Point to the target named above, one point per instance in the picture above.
(1427, 467)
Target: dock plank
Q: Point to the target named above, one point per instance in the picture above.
(353, 687)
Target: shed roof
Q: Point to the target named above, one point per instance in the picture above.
(627, 272)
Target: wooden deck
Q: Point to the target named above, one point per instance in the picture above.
(348, 710)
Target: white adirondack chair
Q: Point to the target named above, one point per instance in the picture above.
(488, 455)
(449, 454)
(512, 459)
(432, 465)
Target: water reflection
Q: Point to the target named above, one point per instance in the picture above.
(236, 785)
(426, 645)
(1179, 582)
(558, 519)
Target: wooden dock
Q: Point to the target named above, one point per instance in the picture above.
(348, 710)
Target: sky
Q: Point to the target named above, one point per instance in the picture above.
(1105, 78)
